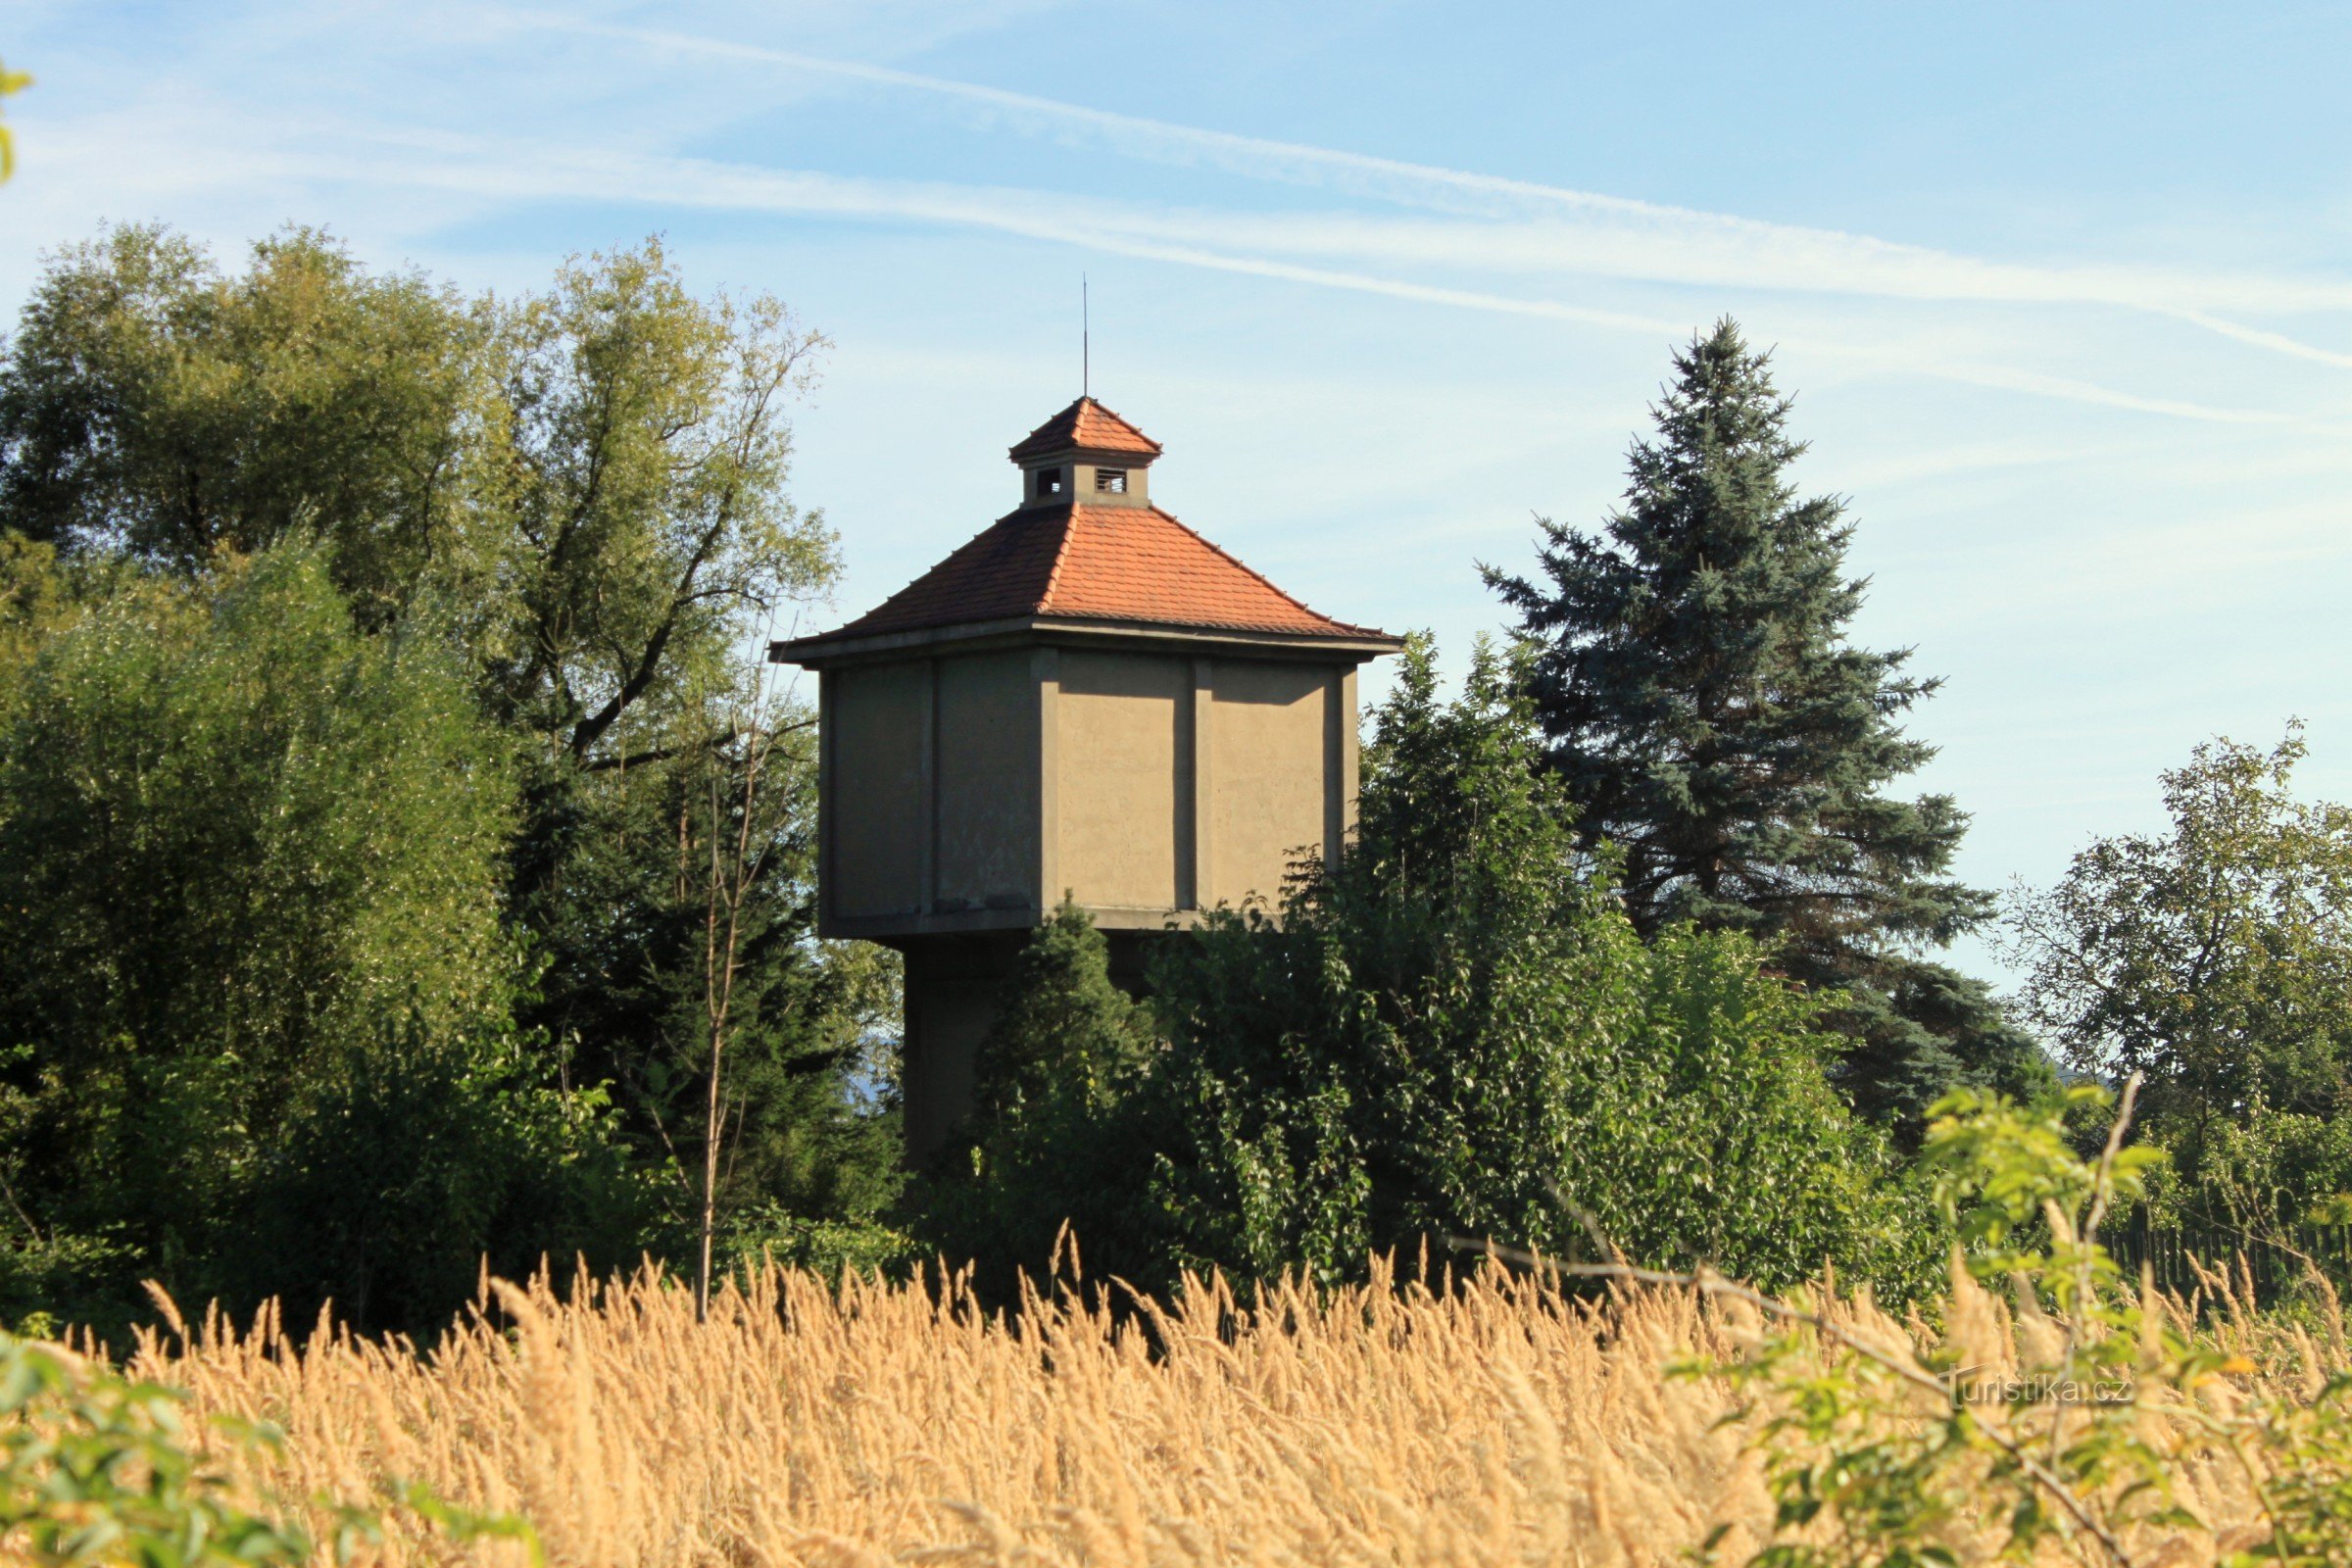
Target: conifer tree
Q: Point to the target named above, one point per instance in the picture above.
(1708, 716)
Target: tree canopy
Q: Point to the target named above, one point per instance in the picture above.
(2215, 958)
(571, 509)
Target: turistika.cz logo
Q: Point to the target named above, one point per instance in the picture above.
(2042, 1388)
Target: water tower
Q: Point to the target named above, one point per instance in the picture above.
(1086, 698)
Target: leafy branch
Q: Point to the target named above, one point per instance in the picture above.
(10, 81)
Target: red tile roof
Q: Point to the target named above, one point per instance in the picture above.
(1085, 425)
(1133, 563)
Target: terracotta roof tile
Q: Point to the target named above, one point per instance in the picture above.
(1134, 563)
(1085, 425)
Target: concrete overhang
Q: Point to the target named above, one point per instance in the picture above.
(907, 924)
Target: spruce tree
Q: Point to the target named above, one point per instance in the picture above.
(1709, 718)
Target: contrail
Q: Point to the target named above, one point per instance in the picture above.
(508, 170)
(1699, 246)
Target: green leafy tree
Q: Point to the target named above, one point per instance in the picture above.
(249, 884)
(1711, 722)
(1453, 1035)
(153, 407)
(582, 495)
(2215, 958)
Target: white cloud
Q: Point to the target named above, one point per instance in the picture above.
(1609, 236)
(499, 171)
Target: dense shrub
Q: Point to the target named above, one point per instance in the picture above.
(255, 1017)
(1457, 1036)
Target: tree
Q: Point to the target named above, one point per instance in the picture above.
(153, 407)
(256, 1014)
(580, 495)
(1453, 1035)
(585, 488)
(1710, 722)
(2216, 960)
(806, 1015)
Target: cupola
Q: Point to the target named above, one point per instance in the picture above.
(1088, 455)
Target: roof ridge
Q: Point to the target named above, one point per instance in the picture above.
(1268, 583)
(1061, 553)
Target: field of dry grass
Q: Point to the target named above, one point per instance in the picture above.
(1503, 1422)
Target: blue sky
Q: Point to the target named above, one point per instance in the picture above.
(2065, 291)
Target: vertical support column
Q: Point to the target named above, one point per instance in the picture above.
(1339, 764)
(1203, 781)
(1046, 665)
(926, 879)
(1185, 872)
(827, 865)
(1351, 765)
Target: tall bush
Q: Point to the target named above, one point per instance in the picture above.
(256, 1011)
(1062, 1130)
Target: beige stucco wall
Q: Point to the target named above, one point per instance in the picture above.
(1122, 775)
(968, 791)
(988, 781)
(1269, 793)
(877, 723)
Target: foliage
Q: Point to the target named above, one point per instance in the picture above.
(419, 1164)
(1065, 1030)
(1454, 1036)
(10, 81)
(764, 1234)
(1896, 1455)
(36, 601)
(153, 407)
(1709, 719)
(573, 504)
(96, 1470)
(2215, 958)
(1062, 1132)
(249, 880)
(649, 450)
(588, 481)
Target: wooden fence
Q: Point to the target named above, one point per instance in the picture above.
(2278, 1264)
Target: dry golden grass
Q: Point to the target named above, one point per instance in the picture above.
(1500, 1422)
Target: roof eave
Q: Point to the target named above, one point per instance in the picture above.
(1352, 645)
(1138, 455)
